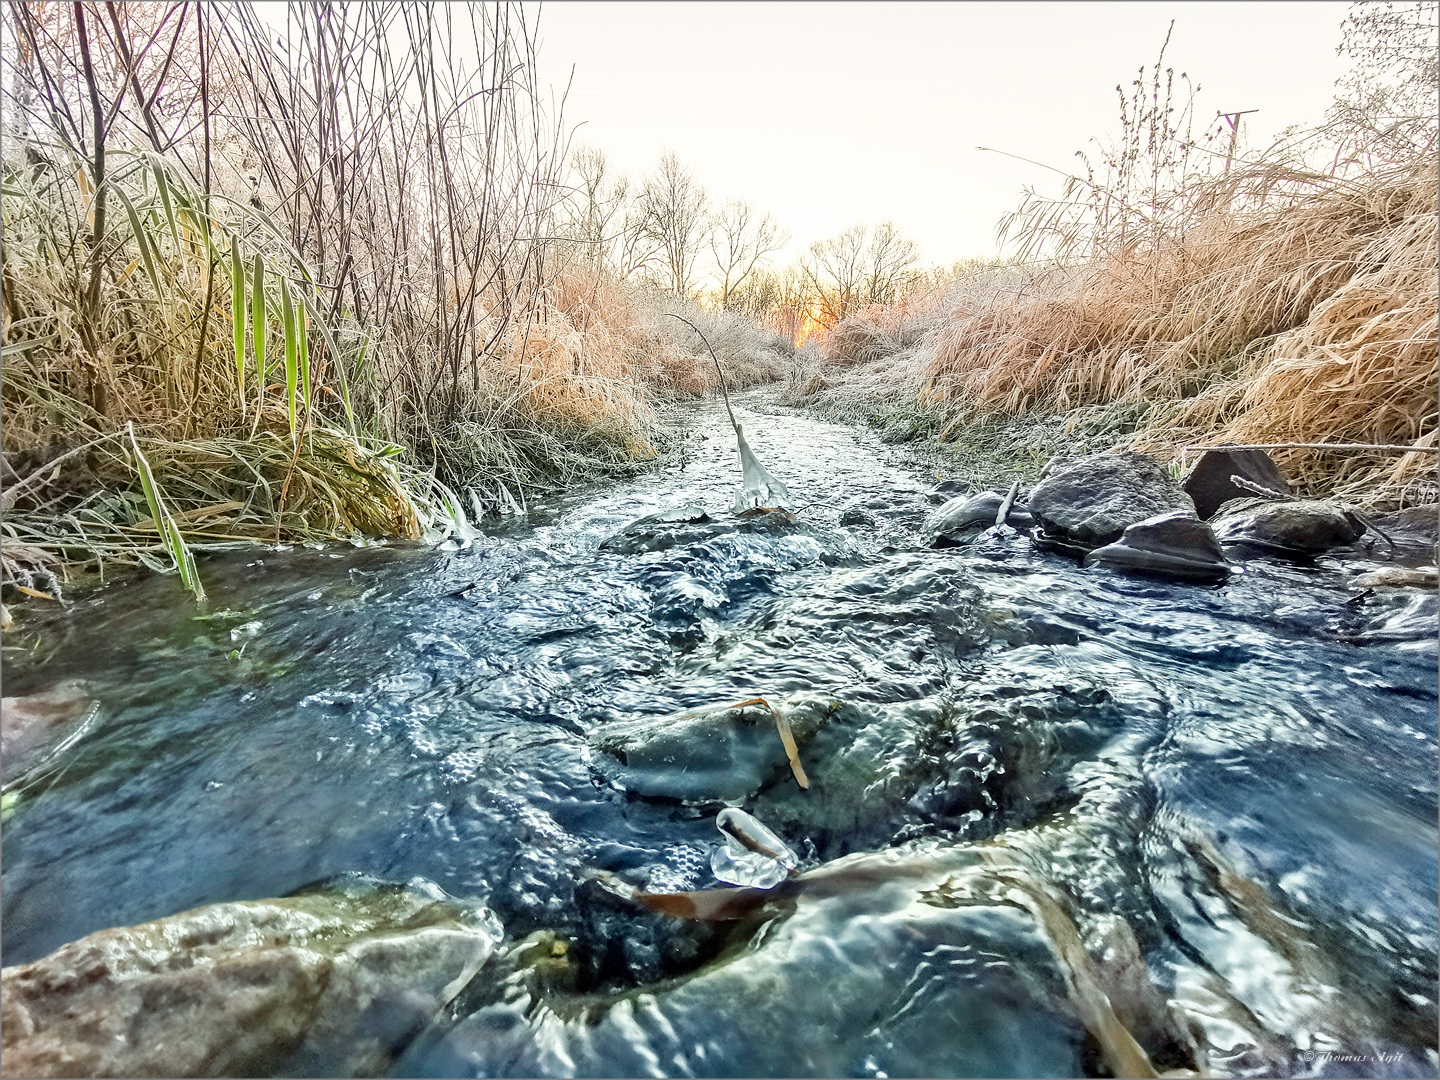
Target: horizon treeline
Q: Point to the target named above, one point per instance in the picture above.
(661, 230)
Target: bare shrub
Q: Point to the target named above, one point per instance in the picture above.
(748, 354)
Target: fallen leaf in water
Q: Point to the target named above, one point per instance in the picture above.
(782, 725)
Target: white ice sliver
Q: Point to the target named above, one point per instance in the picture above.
(759, 488)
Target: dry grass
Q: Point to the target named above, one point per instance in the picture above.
(486, 357)
(748, 355)
(1309, 318)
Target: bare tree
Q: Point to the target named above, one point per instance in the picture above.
(834, 271)
(859, 266)
(674, 204)
(597, 205)
(740, 239)
(784, 301)
(889, 263)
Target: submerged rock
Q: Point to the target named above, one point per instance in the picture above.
(36, 727)
(882, 966)
(962, 519)
(1086, 502)
(1210, 485)
(679, 528)
(1174, 545)
(1406, 536)
(1293, 528)
(323, 984)
(722, 754)
(1400, 577)
(956, 882)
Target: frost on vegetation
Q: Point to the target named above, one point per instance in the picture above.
(445, 523)
(752, 855)
(758, 489)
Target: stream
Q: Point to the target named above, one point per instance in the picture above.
(1228, 793)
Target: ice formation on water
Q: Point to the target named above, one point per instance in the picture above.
(752, 855)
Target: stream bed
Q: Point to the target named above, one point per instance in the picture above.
(1226, 794)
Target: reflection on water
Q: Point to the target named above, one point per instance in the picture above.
(1223, 798)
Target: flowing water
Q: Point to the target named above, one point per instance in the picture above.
(1228, 793)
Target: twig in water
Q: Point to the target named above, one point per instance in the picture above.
(726, 396)
(1004, 511)
(1378, 447)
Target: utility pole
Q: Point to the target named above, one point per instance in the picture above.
(1233, 119)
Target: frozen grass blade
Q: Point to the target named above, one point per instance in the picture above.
(758, 488)
(142, 241)
(163, 186)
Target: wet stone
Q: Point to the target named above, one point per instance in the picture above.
(964, 518)
(1209, 483)
(661, 532)
(946, 490)
(1294, 528)
(322, 984)
(1399, 577)
(713, 755)
(1175, 545)
(36, 727)
(1406, 536)
(1087, 502)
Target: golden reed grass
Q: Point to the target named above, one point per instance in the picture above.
(1312, 319)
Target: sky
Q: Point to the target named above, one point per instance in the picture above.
(832, 113)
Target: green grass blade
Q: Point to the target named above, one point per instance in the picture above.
(237, 316)
(143, 241)
(165, 525)
(303, 344)
(257, 321)
(287, 320)
(184, 560)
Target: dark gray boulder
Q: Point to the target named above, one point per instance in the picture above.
(1175, 545)
(1210, 485)
(946, 490)
(1291, 528)
(1086, 502)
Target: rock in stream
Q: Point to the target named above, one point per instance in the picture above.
(1086, 502)
(321, 984)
